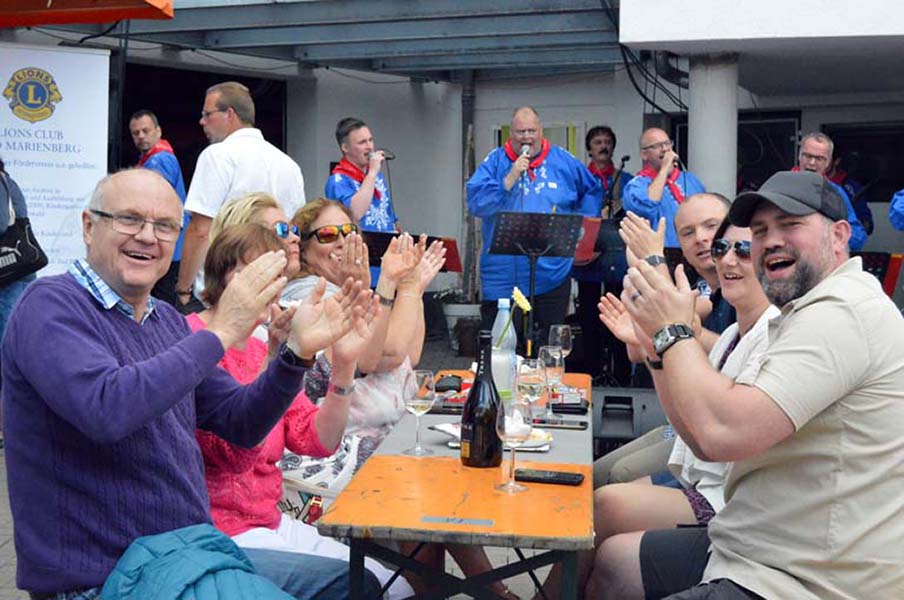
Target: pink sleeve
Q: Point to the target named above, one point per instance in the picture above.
(220, 455)
(301, 433)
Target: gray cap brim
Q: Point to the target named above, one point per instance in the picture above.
(743, 207)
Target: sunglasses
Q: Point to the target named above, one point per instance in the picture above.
(282, 229)
(330, 233)
(721, 247)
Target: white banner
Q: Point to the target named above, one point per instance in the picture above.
(53, 138)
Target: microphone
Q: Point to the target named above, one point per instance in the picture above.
(525, 150)
(387, 154)
(625, 158)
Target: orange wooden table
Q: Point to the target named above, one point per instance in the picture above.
(437, 499)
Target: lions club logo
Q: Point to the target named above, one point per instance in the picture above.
(32, 93)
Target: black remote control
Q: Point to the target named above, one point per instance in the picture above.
(559, 477)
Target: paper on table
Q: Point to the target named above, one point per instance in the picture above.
(539, 440)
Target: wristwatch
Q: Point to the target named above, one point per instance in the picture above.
(655, 259)
(666, 337)
(293, 359)
(340, 390)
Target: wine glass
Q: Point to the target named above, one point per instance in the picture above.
(560, 335)
(419, 396)
(530, 379)
(513, 427)
(553, 363)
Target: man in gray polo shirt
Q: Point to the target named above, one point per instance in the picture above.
(816, 432)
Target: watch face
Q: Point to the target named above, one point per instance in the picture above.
(661, 338)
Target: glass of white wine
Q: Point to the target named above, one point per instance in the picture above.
(420, 393)
(513, 426)
(530, 380)
(553, 363)
(560, 335)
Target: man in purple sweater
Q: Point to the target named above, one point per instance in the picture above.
(103, 388)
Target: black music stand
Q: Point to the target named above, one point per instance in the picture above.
(535, 235)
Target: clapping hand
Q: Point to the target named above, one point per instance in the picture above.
(355, 261)
(653, 301)
(247, 297)
(401, 257)
(319, 321)
(349, 347)
(614, 315)
(433, 260)
(640, 239)
(279, 328)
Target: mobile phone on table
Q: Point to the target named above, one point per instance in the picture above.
(555, 477)
(560, 423)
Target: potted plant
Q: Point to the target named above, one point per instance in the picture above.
(457, 307)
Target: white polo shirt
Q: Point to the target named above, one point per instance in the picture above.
(244, 162)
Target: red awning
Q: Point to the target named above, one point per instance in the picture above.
(23, 13)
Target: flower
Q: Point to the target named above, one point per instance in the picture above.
(520, 300)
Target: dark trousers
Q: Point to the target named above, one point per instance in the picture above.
(604, 354)
(549, 309)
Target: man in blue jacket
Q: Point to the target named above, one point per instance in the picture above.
(815, 155)
(528, 174)
(660, 186)
(157, 154)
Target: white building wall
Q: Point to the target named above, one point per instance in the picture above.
(755, 20)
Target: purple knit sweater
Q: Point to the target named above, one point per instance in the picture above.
(99, 415)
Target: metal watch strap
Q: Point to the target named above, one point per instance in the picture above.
(387, 302)
(655, 260)
(339, 390)
(669, 335)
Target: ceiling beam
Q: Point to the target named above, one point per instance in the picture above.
(321, 12)
(428, 29)
(397, 48)
(494, 60)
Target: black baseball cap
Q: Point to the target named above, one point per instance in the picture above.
(796, 193)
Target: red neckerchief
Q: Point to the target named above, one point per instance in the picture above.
(346, 167)
(838, 177)
(161, 146)
(603, 174)
(536, 162)
(647, 171)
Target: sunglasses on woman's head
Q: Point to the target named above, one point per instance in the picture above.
(721, 247)
(330, 233)
(282, 229)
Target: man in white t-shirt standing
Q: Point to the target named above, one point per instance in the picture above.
(238, 161)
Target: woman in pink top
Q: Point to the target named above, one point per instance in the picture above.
(244, 483)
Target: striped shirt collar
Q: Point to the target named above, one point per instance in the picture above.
(103, 293)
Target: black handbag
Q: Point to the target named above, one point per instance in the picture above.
(20, 254)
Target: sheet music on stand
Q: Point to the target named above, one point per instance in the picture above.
(378, 241)
(535, 235)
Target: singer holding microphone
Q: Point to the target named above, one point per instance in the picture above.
(660, 186)
(357, 181)
(528, 174)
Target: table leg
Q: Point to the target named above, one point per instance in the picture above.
(570, 575)
(356, 570)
